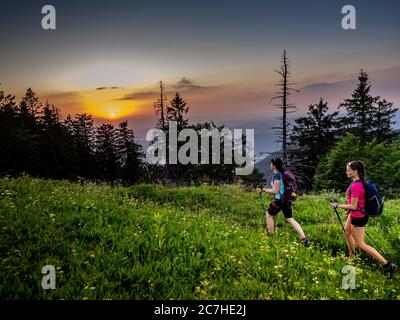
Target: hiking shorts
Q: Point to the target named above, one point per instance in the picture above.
(359, 222)
(277, 205)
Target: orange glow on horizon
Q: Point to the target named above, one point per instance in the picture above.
(107, 104)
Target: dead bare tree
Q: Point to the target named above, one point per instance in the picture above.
(160, 109)
(285, 105)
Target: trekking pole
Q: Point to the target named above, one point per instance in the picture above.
(344, 232)
(376, 246)
(372, 240)
(262, 201)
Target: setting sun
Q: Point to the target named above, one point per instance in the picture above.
(107, 103)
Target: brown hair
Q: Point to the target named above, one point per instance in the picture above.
(359, 166)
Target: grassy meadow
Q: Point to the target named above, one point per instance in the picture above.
(153, 242)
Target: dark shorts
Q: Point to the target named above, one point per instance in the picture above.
(359, 222)
(277, 206)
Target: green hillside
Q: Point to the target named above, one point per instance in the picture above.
(154, 242)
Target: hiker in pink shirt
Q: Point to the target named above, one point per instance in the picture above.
(356, 219)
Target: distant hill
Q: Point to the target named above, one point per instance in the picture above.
(263, 165)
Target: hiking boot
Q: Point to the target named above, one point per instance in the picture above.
(305, 241)
(269, 234)
(390, 268)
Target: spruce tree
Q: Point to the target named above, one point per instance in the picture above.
(106, 152)
(311, 138)
(177, 110)
(382, 121)
(84, 139)
(359, 109)
(129, 154)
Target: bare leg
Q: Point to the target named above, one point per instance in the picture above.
(296, 227)
(270, 223)
(351, 243)
(358, 233)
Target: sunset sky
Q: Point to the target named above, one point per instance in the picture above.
(107, 57)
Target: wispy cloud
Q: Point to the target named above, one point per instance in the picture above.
(321, 86)
(108, 88)
(185, 83)
(141, 95)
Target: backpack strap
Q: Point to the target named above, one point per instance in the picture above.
(365, 195)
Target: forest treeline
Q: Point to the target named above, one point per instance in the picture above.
(35, 139)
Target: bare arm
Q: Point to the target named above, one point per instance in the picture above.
(351, 206)
(275, 190)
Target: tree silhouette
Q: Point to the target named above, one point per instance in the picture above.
(10, 134)
(129, 154)
(106, 152)
(382, 121)
(29, 109)
(177, 110)
(284, 104)
(367, 116)
(28, 148)
(311, 138)
(83, 133)
(359, 108)
(56, 148)
(160, 109)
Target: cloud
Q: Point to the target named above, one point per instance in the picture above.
(63, 95)
(186, 84)
(389, 78)
(141, 95)
(320, 86)
(108, 88)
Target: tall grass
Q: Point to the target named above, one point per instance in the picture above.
(154, 242)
